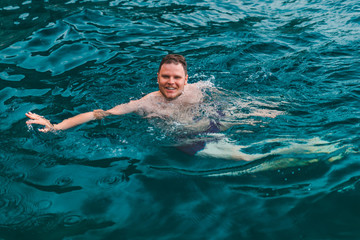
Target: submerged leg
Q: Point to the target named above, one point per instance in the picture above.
(224, 148)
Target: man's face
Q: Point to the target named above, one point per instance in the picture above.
(172, 79)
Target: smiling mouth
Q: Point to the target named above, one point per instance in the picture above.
(170, 88)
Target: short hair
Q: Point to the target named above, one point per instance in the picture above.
(176, 59)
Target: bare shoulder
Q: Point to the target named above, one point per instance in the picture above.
(192, 93)
(148, 101)
(150, 97)
(193, 88)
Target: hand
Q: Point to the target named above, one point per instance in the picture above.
(37, 119)
(100, 114)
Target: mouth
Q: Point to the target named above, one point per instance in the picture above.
(171, 93)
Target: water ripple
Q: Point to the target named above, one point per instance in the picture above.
(72, 220)
(59, 188)
(296, 60)
(56, 48)
(274, 191)
(109, 181)
(13, 208)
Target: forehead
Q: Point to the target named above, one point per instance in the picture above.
(172, 68)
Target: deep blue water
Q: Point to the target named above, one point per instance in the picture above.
(122, 179)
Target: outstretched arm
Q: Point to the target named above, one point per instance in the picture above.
(132, 106)
(66, 124)
(81, 118)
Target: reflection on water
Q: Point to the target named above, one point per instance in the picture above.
(287, 95)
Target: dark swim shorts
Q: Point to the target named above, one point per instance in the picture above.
(196, 146)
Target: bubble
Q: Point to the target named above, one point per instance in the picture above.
(109, 181)
(72, 220)
(44, 204)
(30, 127)
(10, 8)
(63, 181)
(45, 222)
(18, 176)
(48, 163)
(24, 16)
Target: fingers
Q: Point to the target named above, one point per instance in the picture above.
(33, 115)
(44, 130)
(35, 121)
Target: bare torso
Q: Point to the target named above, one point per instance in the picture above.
(181, 109)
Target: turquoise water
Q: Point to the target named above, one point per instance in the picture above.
(122, 178)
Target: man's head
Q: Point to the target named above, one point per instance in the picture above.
(172, 76)
(176, 59)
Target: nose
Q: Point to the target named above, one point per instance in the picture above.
(171, 80)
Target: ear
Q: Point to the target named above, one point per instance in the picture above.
(158, 78)
(186, 79)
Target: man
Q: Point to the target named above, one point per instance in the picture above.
(176, 100)
(174, 96)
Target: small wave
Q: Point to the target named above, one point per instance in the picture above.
(13, 208)
(109, 181)
(298, 153)
(272, 192)
(52, 226)
(59, 189)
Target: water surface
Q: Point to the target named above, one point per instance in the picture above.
(122, 179)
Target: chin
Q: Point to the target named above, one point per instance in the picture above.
(170, 96)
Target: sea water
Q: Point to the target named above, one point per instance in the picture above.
(287, 75)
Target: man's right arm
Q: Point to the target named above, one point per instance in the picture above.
(66, 124)
(132, 106)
